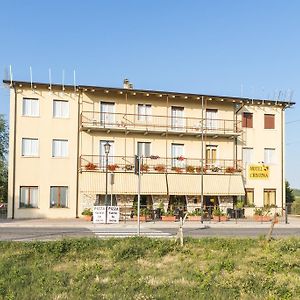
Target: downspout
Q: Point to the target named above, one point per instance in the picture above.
(78, 155)
(282, 162)
(236, 138)
(14, 157)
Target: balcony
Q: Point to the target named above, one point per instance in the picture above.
(162, 165)
(156, 124)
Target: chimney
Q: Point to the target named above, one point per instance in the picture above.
(127, 84)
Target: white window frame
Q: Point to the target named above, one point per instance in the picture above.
(60, 153)
(102, 154)
(269, 159)
(146, 114)
(210, 163)
(107, 118)
(31, 152)
(143, 148)
(58, 113)
(67, 195)
(211, 123)
(174, 156)
(252, 156)
(177, 122)
(30, 111)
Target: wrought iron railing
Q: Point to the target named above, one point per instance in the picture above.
(159, 123)
(156, 164)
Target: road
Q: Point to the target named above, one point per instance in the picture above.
(54, 233)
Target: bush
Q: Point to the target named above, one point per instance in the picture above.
(296, 207)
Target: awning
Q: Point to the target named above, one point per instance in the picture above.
(124, 183)
(218, 185)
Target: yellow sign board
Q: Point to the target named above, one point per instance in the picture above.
(258, 172)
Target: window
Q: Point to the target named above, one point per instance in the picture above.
(58, 196)
(269, 197)
(269, 121)
(249, 197)
(144, 112)
(107, 116)
(111, 200)
(247, 120)
(269, 156)
(59, 148)
(103, 155)
(177, 119)
(211, 155)
(30, 107)
(28, 197)
(177, 154)
(211, 118)
(30, 147)
(60, 109)
(143, 149)
(247, 156)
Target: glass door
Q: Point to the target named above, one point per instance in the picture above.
(107, 117)
(177, 154)
(103, 155)
(177, 119)
(211, 119)
(211, 156)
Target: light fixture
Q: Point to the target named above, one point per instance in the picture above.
(160, 95)
(209, 99)
(222, 100)
(185, 97)
(147, 95)
(92, 90)
(121, 92)
(85, 90)
(106, 91)
(198, 98)
(233, 100)
(134, 93)
(173, 96)
(106, 147)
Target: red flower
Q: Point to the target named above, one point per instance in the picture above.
(181, 158)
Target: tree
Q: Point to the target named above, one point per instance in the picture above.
(289, 193)
(3, 158)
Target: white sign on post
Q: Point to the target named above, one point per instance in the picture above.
(99, 214)
(113, 214)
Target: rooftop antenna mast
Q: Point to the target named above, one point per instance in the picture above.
(63, 80)
(10, 75)
(30, 70)
(50, 84)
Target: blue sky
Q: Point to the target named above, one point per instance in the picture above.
(193, 46)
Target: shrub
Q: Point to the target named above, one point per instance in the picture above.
(87, 212)
(296, 207)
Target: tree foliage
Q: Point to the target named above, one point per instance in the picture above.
(289, 193)
(3, 158)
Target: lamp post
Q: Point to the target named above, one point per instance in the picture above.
(106, 150)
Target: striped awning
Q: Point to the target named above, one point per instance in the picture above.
(218, 185)
(124, 183)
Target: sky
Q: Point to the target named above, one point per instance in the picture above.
(229, 47)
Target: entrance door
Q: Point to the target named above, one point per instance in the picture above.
(103, 155)
(177, 119)
(177, 151)
(107, 117)
(211, 156)
(211, 119)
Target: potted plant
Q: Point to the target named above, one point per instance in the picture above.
(145, 168)
(88, 214)
(90, 166)
(161, 168)
(128, 167)
(168, 216)
(112, 167)
(199, 169)
(215, 169)
(219, 215)
(230, 170)
(194, 215)
(177, 169)
(144, 215)
(262, 214)
(190, 169)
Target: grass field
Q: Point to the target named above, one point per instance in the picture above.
(142, 268)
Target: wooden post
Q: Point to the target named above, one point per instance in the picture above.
(268, 238)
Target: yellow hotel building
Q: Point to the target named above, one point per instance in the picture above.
(57, 161)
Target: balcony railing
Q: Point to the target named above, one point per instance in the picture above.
(155, 164)
(156, 123)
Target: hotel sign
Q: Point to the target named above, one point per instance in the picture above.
(258, 172)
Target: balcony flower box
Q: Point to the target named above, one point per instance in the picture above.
(262, 218)
(143, 218)
(220, 218)
(194, 218)
(160, 168)
(199, 170)
(145, 168)
(230, 170)
(128, 167)
(177, 169)
(190, 169)
(90, 166)
(112, 167)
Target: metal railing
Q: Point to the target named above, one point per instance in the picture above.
(159, 123)
(156, 164)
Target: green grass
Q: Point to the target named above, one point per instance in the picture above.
(142, 268)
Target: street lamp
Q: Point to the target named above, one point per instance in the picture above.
(106, 150)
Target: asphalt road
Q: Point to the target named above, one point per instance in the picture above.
(54, 233)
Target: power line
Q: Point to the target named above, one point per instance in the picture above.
(292, 121)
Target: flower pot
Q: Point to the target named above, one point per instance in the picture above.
(220, 218)
(88, 218)
(142, 218)
(194, 218)
(262, 218)
(168, 218)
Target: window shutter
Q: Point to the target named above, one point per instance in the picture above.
(269, 121)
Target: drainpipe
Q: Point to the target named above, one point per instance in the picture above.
(78, 155)
(282, 162)
(14, 156)
(236, 138)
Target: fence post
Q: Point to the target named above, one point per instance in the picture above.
(286, 213)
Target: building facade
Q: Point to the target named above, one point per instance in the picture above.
(224, 148)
